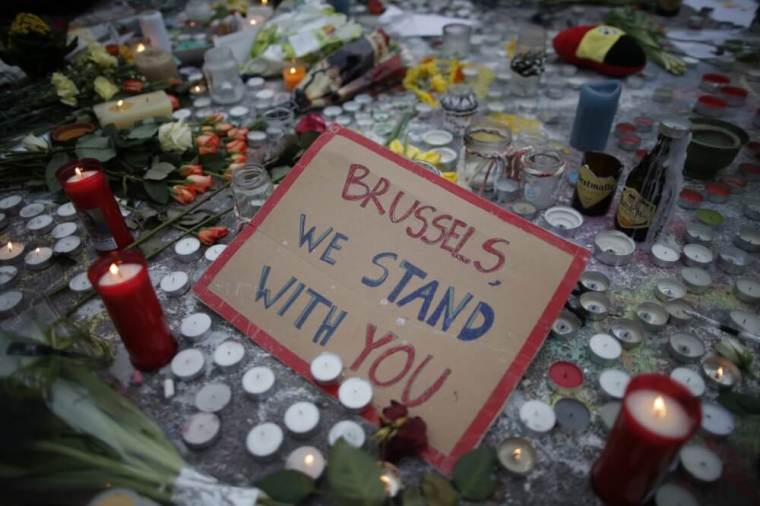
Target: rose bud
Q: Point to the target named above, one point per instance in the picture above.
(237, 133)
(133, 86)
(190, 169)
(182, 194)
(174, 100)
(209, 235)
(236, 147)
(199, 184)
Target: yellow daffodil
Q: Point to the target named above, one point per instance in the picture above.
(438, 83)
(413, 152)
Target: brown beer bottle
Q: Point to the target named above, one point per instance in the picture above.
(643, 187)
(597, 183)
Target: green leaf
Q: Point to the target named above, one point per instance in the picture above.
(135, 159)
(279, 173)
(413, 497)
(474, 474)
(159, 170)
(145, 131)
(438, 491)
(741, 404)
(157, 191)
(354, 476)
(55, 162)
(287, 486)
(214, 163)
(194, 218)
(95, 146)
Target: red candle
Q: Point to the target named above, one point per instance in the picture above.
(121, 278)
(565, 376)
(657, 417)
(86, 184)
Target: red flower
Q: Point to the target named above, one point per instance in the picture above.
(375, 7)
(222, 128)
(236, 147)
(238, 158)
(198, 183)
(312, 122)
(182, 193)
(188, 170)
(401, 435)
(237, 133)
(174, 100)
(133, 86)
(112, 49)
(208, 144)
(209, 235)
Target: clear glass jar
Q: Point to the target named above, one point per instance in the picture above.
(456, 40)
(486, 151)
(251, 187)
(223, 76)
(278, 117)
(528, 61)
(542, 171)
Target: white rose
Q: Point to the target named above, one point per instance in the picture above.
(33, 143)
(175, 137)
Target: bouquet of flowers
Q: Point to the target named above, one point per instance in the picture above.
(34, 45)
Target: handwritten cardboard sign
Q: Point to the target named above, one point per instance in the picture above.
(436, 296)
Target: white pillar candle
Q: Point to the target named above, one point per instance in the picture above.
(213, 398)
(11, 252)
(229, 354)
(153, 29)
(701, 464)
(696, 280)
(201, 430)
(10, 302)
(40, 224)
(307, 460)
(194, 326)
(302, 419)
(175, 284)
(613, 383)
(326, 368)
(11, 204)
(66, 210)
(8, 275)
(658, 413)
(67, 245)
(213, 252)
(717, 420)
(64, 229)
(664, 255)
(697, 255)
(537, 416)
(39, 258)
(348, 430)
(31, 210)
(605, 349)
(188, 249)
(80, 283)
(188, 364)
(747, 290)
(689, 379)
(355, 394)
(258, 382)
(264, 441)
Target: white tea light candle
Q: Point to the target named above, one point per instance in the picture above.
(517, 455)
(10, 302)
(605, 349)
(613, 383)
(188, 249)
(258, 381)
(348, 430)
(667, 290)
(11, 252)
(66, 210)
(11, 204)
(697, 255)
(690, 379)
(175, 284)
(747, 290)
(326, 368)
(213, 398)
(696, 280)
(685, 348)
(302, 419)
(64, 229)
(8, 275)
(264, 441)
(67, 245)
(717, 420)
(194, 326)
(40, 224)
(188, 364)
(39, 258)
(701, 464)
(307, 460)
(213, 252)
(355, 394)
(80, 283)
(31, 210)
(201, 430)
(664, 255)
(537, 416)
(229, 354)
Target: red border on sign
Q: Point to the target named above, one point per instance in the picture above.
(495, 403)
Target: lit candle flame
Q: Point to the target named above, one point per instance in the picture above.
(37, 250)
(197, 88)
(10, 246)
(309, 459)
(114, 269)
(78, 171)
(140, 47)
(252, 21)
(119, 104)
(659, 407)
(386, 482)
(292, 70)
(517, 454)
(264, 2)
(719, 373)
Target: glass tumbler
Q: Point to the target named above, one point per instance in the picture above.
(528, 61)
(251, 187)
(223, 76)
(456, 40)
(541, 174)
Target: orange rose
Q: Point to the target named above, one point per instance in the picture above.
(236, 146)
(209, 235)
(237, 133)
(198, 183)
(239, 158)
(207, 144)
(182, 194)
(188, 170)
(133, 86)
(221, 128)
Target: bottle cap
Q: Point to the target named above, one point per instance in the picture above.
(674, 128)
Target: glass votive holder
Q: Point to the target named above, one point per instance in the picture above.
(456, 40)
(251, 187)
(278, 117)
(541, 174)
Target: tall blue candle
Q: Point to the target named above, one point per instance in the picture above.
(593, 118)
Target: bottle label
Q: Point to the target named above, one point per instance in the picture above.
(591, 188)
(635, 211)
(96, 226)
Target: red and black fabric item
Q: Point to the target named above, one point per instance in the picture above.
(603, 48)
